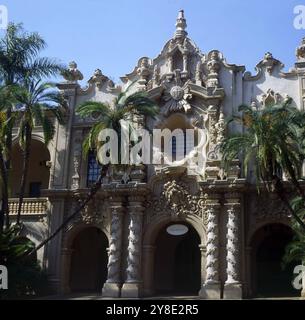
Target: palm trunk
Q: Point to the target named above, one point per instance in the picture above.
(4, 206)
(280, 191)
(9, 144)
(26, 161)
(93, 190)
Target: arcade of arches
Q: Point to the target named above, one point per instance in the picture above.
(176, 263)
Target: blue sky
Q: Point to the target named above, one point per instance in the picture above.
(112, 35)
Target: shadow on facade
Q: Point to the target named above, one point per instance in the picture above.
(89, 260)
(39, 169)
(269, 278)
(177, 263)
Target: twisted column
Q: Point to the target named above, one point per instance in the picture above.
(132, 285)
(211, 287)
(212, 247)
(233, 288)
(113, 283)
(232, 245)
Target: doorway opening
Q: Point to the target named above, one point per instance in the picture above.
(270, 278)
(89, 261)
(177, 262)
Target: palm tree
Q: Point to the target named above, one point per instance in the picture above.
(36, 101)
(295, 250)
(19, 59)
(272, 143)
(109, 118)
(6, 98)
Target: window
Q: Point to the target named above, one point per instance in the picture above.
(93, 169)
(35, 189)
(181, 146)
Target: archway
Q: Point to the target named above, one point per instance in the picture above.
(88, 271)
(177, 267)
(39, 169)
(269, 278)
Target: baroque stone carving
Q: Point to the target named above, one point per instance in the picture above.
(212, 246)
(233, 211)
(269, 63)
(77, 159)
(72, 74)
(271, 98)
(115, 247)
(266, 209)
(213, 66)
(98, 78)
(134, 245)
(177, 201)
(144, 70)
(300, 51)
(95, 213)
(176, 98)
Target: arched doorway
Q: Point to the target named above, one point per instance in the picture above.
(39, 169)
(177, 268)
(89, 260)
(269, 278)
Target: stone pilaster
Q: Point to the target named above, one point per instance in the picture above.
(148, 274)
(133, 285)
(233, 288)
(66, 255)
(77, 153)
(112, 287)
(211, 288)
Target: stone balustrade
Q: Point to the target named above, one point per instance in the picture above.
(30, 206)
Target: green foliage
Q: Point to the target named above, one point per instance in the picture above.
(273, 140)
(295, 250)
(19, 52)
(124, 107)
(38, 100)
(25, 277)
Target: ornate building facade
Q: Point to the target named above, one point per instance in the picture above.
(120, 245)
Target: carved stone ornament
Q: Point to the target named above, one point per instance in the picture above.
(213, 65)
(233, 249)
(98, 78)
(266, 209)
(177, 201)
(271, 98)
(300, 52)
(176, 98)
(115, 247)
(212, 246)
(269, 63)
(72, 74)
(95, 213)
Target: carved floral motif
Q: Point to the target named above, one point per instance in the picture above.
(177, 201)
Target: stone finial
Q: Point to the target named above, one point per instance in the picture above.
(300, 52)
(98, 78)
(269, 63)
(72, 74)
(180, 26)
